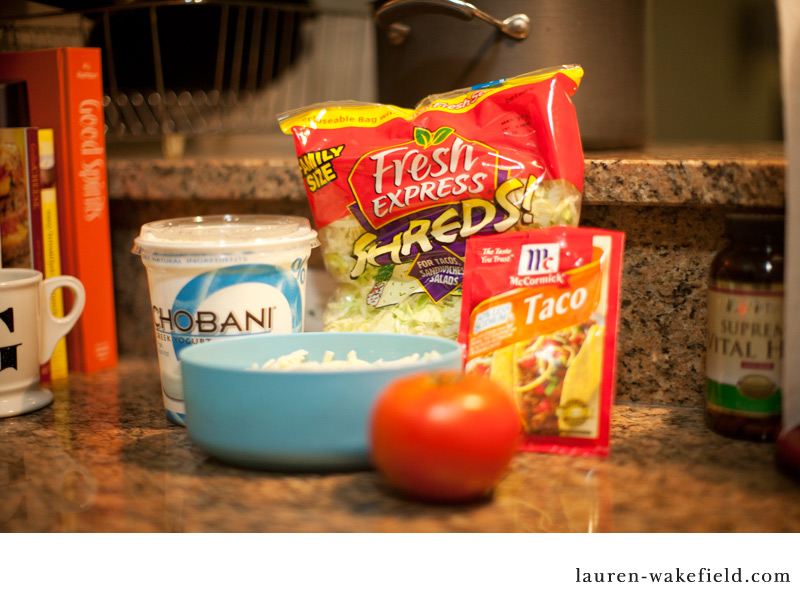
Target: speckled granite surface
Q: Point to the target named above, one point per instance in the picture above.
(670, 202)
(741, 176)
(103, 458)
(266, 179)
(751, 175)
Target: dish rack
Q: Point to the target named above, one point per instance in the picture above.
(253, 61)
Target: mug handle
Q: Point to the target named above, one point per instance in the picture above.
(56, 328)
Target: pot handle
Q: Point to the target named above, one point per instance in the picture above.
(517, 26)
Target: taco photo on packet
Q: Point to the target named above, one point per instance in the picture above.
(395, 193)
(540, 312)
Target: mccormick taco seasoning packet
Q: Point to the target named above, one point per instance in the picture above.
(395, 193)
(540, 316)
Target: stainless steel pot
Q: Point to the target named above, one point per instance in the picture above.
(433, 46)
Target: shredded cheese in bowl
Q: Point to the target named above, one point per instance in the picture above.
(297, 360)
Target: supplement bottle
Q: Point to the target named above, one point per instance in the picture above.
(745, 329)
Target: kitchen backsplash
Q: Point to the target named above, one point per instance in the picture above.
(671, 208)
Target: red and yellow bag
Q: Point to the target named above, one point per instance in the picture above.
(540, 311)
(395, 193)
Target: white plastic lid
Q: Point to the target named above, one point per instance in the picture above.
(226, 232)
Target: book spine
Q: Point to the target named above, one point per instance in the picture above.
(59, 362)
(86, 240)
(35, 213)
(65, 90)
(35, 197)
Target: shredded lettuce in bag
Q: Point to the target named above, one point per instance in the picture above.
(395, 193)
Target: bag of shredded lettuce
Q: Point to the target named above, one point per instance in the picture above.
(395, 193)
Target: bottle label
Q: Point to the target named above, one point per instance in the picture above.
(745, 349)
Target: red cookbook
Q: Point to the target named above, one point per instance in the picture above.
(65, 93)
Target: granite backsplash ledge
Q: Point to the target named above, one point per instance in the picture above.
(749, 175)
(669, 202)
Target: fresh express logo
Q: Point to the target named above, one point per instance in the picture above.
(437, 167)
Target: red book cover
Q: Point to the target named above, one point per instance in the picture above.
(65, 92)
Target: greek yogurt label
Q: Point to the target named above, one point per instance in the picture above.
(230, 301)
(245, 299)
(219, 277)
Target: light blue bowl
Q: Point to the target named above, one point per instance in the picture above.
(295, 420)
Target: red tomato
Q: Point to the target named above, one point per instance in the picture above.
(444, 436)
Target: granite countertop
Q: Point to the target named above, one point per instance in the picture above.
(266, 169)
(103, 458)
(670, 201)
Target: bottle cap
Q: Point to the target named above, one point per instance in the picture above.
(14, 104)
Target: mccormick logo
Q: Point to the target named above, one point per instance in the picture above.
(539, 259)
(436, 167)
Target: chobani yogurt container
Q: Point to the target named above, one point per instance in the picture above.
(216, 276)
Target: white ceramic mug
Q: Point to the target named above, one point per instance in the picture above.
(29, 333)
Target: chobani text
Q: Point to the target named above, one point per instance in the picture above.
(208, 322)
